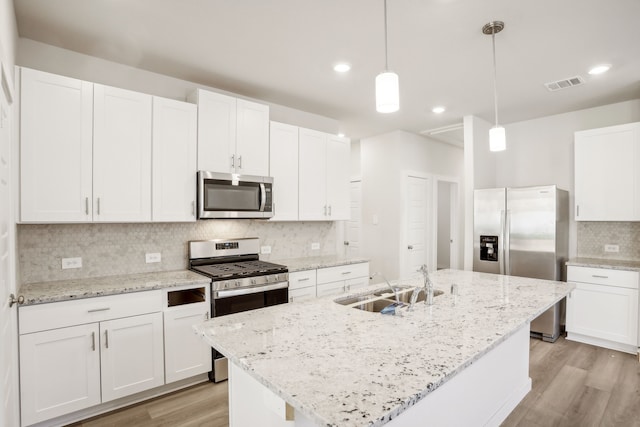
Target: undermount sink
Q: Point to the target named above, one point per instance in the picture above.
(377, 301)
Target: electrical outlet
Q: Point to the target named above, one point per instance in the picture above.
(71, 263)
(611, 248)
(315, 246)
(265, 250)
(153, 257)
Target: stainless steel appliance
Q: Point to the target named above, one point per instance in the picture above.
(239, 282)
(225, 195)
(524, 232)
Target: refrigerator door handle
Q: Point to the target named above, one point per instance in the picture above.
(501, 251)
(507, 242)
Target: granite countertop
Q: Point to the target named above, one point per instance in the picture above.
(64, 290)
(613, 264)
(340, 366)
(309, 263)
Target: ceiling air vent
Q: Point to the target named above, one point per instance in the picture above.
(565, 83)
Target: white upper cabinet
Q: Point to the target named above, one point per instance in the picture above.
(323, 176)
(283, 167)
(233, 134)
(121, 155)
(55, 148)
(174, 160)
(607, 174)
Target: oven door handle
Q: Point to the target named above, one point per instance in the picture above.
(248, 291)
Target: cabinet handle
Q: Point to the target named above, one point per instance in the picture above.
(346, 272)
(410, 247)
(86, 206)
(239, 162)
(290, 299)
(578, 210)
(98, 206)
(94, 310)
(233, 161)
(303, 279)
(93, 341)
(599, 277)
(106, 338)
(206, 316)
(325, 210)
(329, 210)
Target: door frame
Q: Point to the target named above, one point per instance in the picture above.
(454, 232)
(403, 241)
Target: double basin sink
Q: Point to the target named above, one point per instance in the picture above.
(376, 301)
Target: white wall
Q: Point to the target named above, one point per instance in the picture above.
(8, 35)
(383, 159)
(55, 60)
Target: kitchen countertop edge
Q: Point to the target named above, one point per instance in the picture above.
(311, 263)
(613, 264)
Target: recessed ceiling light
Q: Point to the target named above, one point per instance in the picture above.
(341, 135)
(599, 69)
(438, 110)
(342, 67)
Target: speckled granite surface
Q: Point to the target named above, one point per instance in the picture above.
(344, 367)
(64, 290)
(309, 263)
(613, 264)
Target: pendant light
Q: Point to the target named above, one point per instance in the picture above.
(497, 137)
(387, 90)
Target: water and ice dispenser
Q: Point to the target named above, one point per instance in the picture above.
(489, 248)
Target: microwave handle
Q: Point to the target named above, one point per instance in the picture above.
(263, 197)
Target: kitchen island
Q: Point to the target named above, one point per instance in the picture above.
(463, 359)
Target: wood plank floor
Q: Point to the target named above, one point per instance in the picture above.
(573, 385)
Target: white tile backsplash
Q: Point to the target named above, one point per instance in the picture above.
(114, 249)
(592, 236)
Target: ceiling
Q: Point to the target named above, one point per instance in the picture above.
(283, 51)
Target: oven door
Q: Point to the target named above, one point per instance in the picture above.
(234, 196)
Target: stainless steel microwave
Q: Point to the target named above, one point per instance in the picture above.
(226, 195)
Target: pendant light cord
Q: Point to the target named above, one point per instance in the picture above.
(386, 59)
(495, 79)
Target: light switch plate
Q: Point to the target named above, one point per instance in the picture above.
(153, 257)
(611, 248)
(265, 250)
(315, 246)
(71, 263)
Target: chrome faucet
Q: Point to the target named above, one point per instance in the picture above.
(427, 288)
(395, 293)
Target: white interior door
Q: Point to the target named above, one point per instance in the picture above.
(353, 236)
(447, 224)
(8, 315)
(417, 224)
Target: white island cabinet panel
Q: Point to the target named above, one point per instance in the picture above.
(283, 168)
(59, 372)
(132, 355)
(175, 127)
(185, 354)
(122, 155)
(56, 125)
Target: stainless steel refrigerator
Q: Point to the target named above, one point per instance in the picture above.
(524, 232)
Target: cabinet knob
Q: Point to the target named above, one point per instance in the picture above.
(13, 300)
(410, 247)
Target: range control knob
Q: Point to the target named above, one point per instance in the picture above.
(237, 283)
(253, 281)
(226, 285)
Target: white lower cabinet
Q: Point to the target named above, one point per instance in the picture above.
(59, 372)
(77, 354)
(186, 354)
(302, 285)
(132, 355)
(603, 309)
(343, 278)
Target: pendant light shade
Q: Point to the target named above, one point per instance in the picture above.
(387, 92)
(497, 139)
(497, 136)
(387, 82)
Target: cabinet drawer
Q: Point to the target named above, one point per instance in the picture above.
(302, 279)
(603, 276)
(343, 272)
(42, 317)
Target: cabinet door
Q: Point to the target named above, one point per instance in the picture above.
(357, 283)
(338, 166)
(121, 155)
(175, 126)
(132, 355)
(606, 175)
(605, 312)
(283, 167)
(216, 132)
(186, 353)
(252, 138)
(312, 175)
(332, 288)
(56, 123)
(301, 294)
(59, 372)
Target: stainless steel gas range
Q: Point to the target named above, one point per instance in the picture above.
(239, 282)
